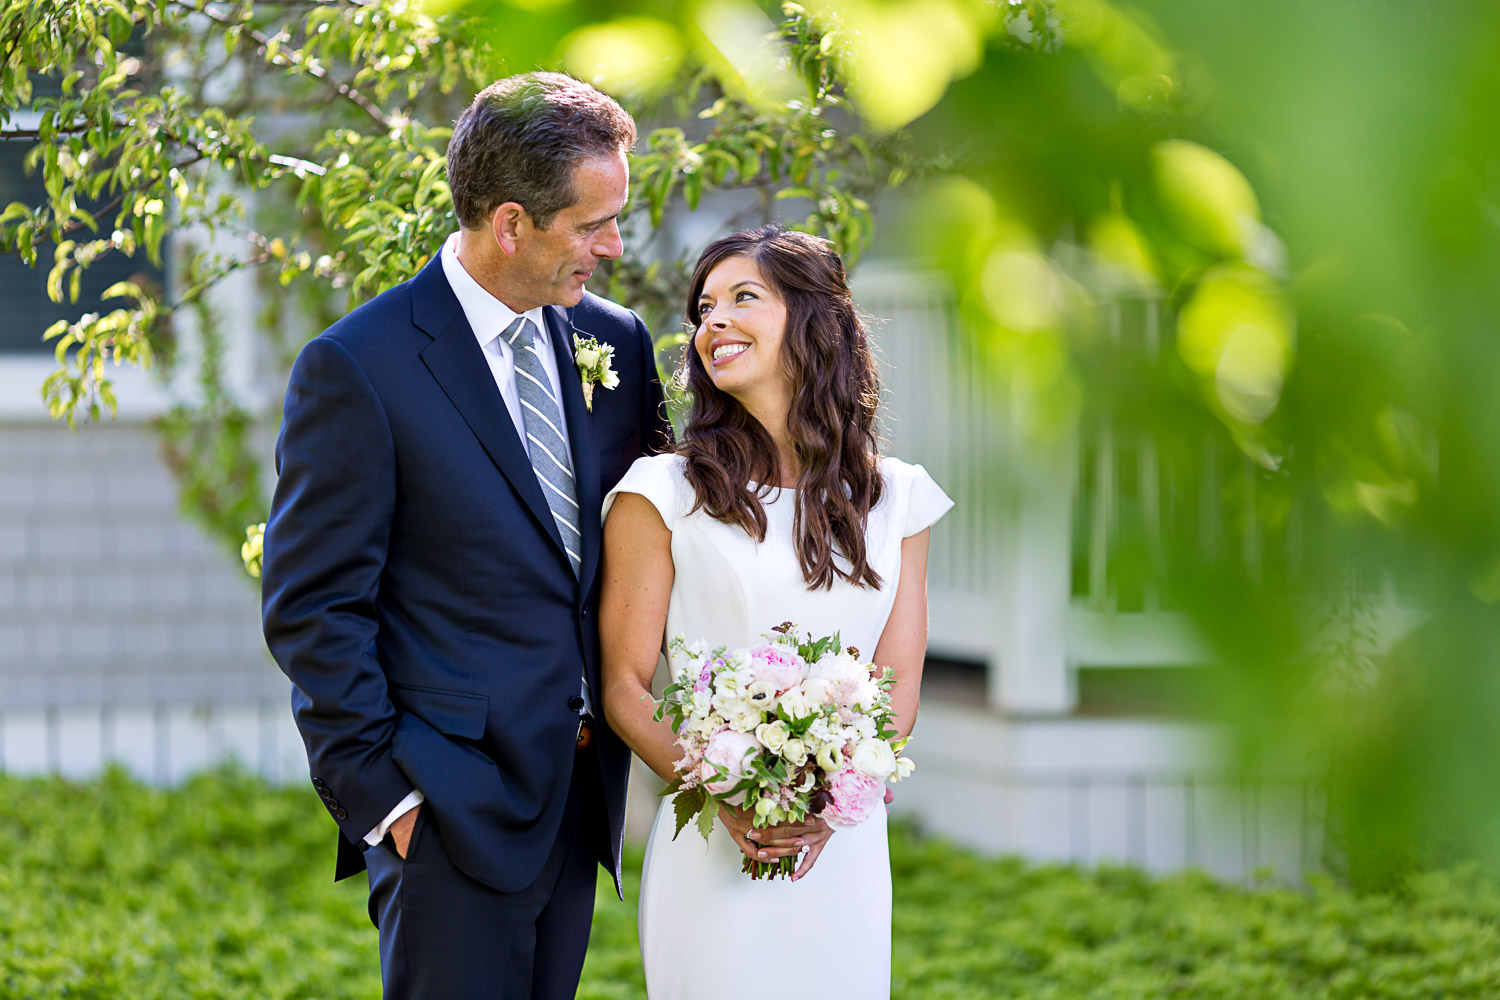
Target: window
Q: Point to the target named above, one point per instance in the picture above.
(25, 310)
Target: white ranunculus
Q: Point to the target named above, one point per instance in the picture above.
(763, 807)
(794, 752)
(874, 758)
(587, 358)
(772, 735)
(830, 758)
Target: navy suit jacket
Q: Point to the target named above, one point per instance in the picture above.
(415, 588)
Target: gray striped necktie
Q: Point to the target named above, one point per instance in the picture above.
(549, 455)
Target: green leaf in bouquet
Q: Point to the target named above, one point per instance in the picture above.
(707, 816)
(694, 801)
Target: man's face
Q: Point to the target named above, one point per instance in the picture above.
(551, 265)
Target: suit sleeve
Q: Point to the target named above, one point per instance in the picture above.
(656, 429)
(325, 549)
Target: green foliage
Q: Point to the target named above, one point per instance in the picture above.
(308, 138)
(222, 888)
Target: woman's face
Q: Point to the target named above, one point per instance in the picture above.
(742, 324)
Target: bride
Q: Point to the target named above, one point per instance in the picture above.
(774, 508)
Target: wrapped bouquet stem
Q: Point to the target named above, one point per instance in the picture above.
(788, 729)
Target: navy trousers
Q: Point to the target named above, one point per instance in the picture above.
(444, 935)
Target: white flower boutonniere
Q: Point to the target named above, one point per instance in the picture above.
(593, 361)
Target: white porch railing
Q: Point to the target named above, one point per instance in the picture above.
(1020, 575)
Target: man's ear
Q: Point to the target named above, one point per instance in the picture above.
(510, 223)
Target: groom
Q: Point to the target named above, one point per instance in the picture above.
(430, 559)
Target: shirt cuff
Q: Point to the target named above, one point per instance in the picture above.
(413, 799)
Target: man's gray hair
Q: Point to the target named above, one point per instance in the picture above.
(520, 140)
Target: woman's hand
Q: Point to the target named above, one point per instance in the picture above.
(775, 842)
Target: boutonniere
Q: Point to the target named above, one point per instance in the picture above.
(593, 361)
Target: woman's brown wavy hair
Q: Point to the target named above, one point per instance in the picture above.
(835, 392)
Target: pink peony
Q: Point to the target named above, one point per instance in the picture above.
(777, 664)
(852, 798)
(728, 749)
(846, 678)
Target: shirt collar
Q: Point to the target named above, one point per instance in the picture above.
(488, 317)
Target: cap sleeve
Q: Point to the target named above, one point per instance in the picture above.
(655, 478)
(925, 501)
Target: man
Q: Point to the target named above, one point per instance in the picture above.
(430, 559)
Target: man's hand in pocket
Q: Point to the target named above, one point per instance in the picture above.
(401, 830)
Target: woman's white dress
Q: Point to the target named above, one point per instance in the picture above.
(831, 931)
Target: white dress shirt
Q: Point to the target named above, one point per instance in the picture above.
(489, 317)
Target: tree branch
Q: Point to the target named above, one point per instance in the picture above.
(293, 58)
(116, 202)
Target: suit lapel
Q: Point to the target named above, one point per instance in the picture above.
(458, 364)
(580, 442)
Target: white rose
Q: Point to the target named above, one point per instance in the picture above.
(793, 704)
(705, 728)
(772, 735)
(746, 720)
(794, 752)
(874, 758)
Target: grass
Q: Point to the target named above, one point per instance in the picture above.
(221, 888)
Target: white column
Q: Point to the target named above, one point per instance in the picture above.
(1029, 672)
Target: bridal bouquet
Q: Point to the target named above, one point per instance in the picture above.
(789, 728)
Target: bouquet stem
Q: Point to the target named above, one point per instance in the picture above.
(781, 868)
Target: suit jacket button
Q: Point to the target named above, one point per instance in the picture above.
(575, 703)
(318, 784)
(340, 815)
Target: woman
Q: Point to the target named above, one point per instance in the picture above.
(775, 508)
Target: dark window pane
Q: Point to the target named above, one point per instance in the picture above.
(24, 306)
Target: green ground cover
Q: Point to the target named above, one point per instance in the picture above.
(220, 889)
